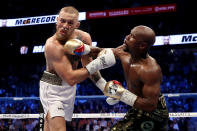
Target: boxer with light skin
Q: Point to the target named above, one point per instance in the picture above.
(58, 83)
(143, 77)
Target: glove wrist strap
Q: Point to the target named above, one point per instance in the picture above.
(101, 84)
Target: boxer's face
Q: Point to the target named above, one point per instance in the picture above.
(130, 40)
(66, 23)
(135, 39)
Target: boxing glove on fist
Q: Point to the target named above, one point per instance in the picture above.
(104, 60)
(115, 90)
(76, 47)
(112, 101)
(101, 85)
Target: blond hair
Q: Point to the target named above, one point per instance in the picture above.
(70, 9)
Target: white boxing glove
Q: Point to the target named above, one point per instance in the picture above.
(112, 101)
(104, 60)
(76, 47)
(115, 90)
(101, 85)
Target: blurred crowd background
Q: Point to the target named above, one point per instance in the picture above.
(179, 76)
(20, 74)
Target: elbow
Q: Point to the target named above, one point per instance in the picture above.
(71, 82)
(69, 79)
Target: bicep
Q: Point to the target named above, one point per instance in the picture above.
(87, 39)
(151, 92)
(65, 71)
(149, 100)
(152, 82)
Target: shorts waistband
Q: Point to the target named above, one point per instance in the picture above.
(51, 78)
(160, 111)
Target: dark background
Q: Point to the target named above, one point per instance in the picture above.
(20, 74)
(108, 32)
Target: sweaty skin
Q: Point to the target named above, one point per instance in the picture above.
(142, 73)
(143, 78)
(57, 59)
(59, 62)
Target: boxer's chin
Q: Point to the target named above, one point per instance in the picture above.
(60, 37)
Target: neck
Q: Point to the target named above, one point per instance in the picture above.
(136, 57)
(62, 40)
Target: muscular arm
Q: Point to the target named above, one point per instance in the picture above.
(150, 99)
(58, 62)
(94, 53)
(150, 92)
(143, 96)
(118, 52)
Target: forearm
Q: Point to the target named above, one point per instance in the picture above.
(145, 104)
(95, 76)
(81, 74)
(75, 76)
(94, 51)
(115, 90)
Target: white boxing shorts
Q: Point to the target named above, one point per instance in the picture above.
(56, 96)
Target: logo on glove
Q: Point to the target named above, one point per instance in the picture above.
(113, 89)
(80, 50)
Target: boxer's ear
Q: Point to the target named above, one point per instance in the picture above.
(78, 24)
(142, 45)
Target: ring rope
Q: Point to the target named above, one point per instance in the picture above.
(91, 115)
(97, 96)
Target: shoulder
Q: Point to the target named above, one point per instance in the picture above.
(152, 66)
(52, 43)
(151, 71)
(49, 44)
(53, 48)
(156, 67)
(49, 41)
(83, 36)
(81, 32)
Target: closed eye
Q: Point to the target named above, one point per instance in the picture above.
(70, 22)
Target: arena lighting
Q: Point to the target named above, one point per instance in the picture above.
(37, 20)
(38, 49)
(178, 39)
(160, 40)
(23, 50)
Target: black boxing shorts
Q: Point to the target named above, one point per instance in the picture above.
(138, 120)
